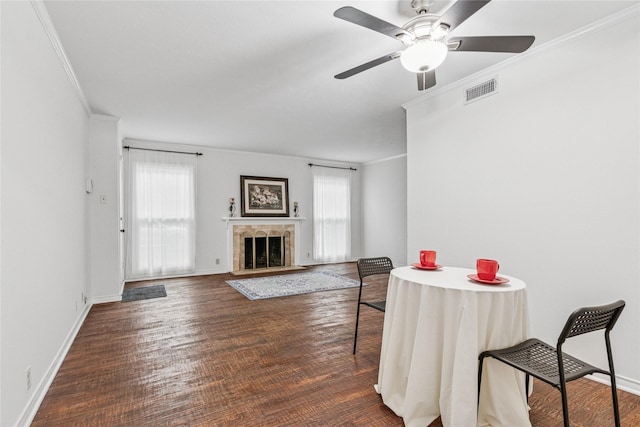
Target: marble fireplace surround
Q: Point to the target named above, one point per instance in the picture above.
(238, 228)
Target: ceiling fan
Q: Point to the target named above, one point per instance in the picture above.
(426, 38)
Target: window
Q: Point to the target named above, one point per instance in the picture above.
(331, 214)
(161, 221)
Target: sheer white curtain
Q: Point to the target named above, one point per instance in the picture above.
(161, 223)
(331, 214)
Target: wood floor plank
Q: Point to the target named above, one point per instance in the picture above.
(206, 356)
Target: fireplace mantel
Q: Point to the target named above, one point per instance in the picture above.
(232, 222)
(261, 220)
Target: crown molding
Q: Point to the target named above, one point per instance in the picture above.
(49, 29)
(104, 117)
(147, 142)
(386, 159)
(607, 22)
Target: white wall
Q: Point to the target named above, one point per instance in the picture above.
(219, 179)
(545, 177)
(44, 206)
(384, 207)
(104, 209)
(60, 244)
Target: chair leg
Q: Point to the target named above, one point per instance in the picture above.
(565, 406)
(480, 375)
(526, 386)
(614, 395)
(355, 336)
(612, 375)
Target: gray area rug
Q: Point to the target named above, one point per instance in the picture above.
(146, 292)
(291, 284)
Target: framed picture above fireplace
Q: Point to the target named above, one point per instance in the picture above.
(262, 196)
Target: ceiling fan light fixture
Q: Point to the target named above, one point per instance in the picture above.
(424, 55)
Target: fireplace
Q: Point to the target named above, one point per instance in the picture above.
(260, 247)
(264, 252)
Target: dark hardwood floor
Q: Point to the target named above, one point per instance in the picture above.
(207, 356)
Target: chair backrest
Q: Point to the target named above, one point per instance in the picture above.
(371, 266)
(590, 319)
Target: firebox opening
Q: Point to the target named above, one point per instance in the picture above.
(264, 252)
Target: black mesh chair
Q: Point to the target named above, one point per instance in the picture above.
(370, 267)
(556, 368)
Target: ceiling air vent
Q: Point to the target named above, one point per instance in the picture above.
(481, 90)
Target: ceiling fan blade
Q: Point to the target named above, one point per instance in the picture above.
(513, 44)
(358, 17)
(460, 11)
(366, 66)
(426, 80)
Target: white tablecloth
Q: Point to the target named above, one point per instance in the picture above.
(436, 324)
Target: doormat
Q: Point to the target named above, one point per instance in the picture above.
(291, 284)
(146, 292)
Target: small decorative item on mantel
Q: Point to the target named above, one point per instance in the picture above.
(232, 207)
(296, 213)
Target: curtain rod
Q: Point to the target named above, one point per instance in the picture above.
(332, 167)
(162, 151)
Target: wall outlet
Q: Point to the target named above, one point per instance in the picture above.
(217, 261)
(308, 254)
(28, 377)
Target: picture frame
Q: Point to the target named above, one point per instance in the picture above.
(263, 196)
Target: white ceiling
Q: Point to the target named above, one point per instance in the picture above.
(258, 75)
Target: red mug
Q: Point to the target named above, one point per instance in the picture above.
(487, 268)
(428, 258)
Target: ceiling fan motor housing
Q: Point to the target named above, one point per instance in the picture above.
(424, 27)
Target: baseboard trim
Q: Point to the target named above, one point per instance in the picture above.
(106, 298)
(31, 409)
(622, 383)
(177, 276)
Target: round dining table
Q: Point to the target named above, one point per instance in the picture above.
(436, 323)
